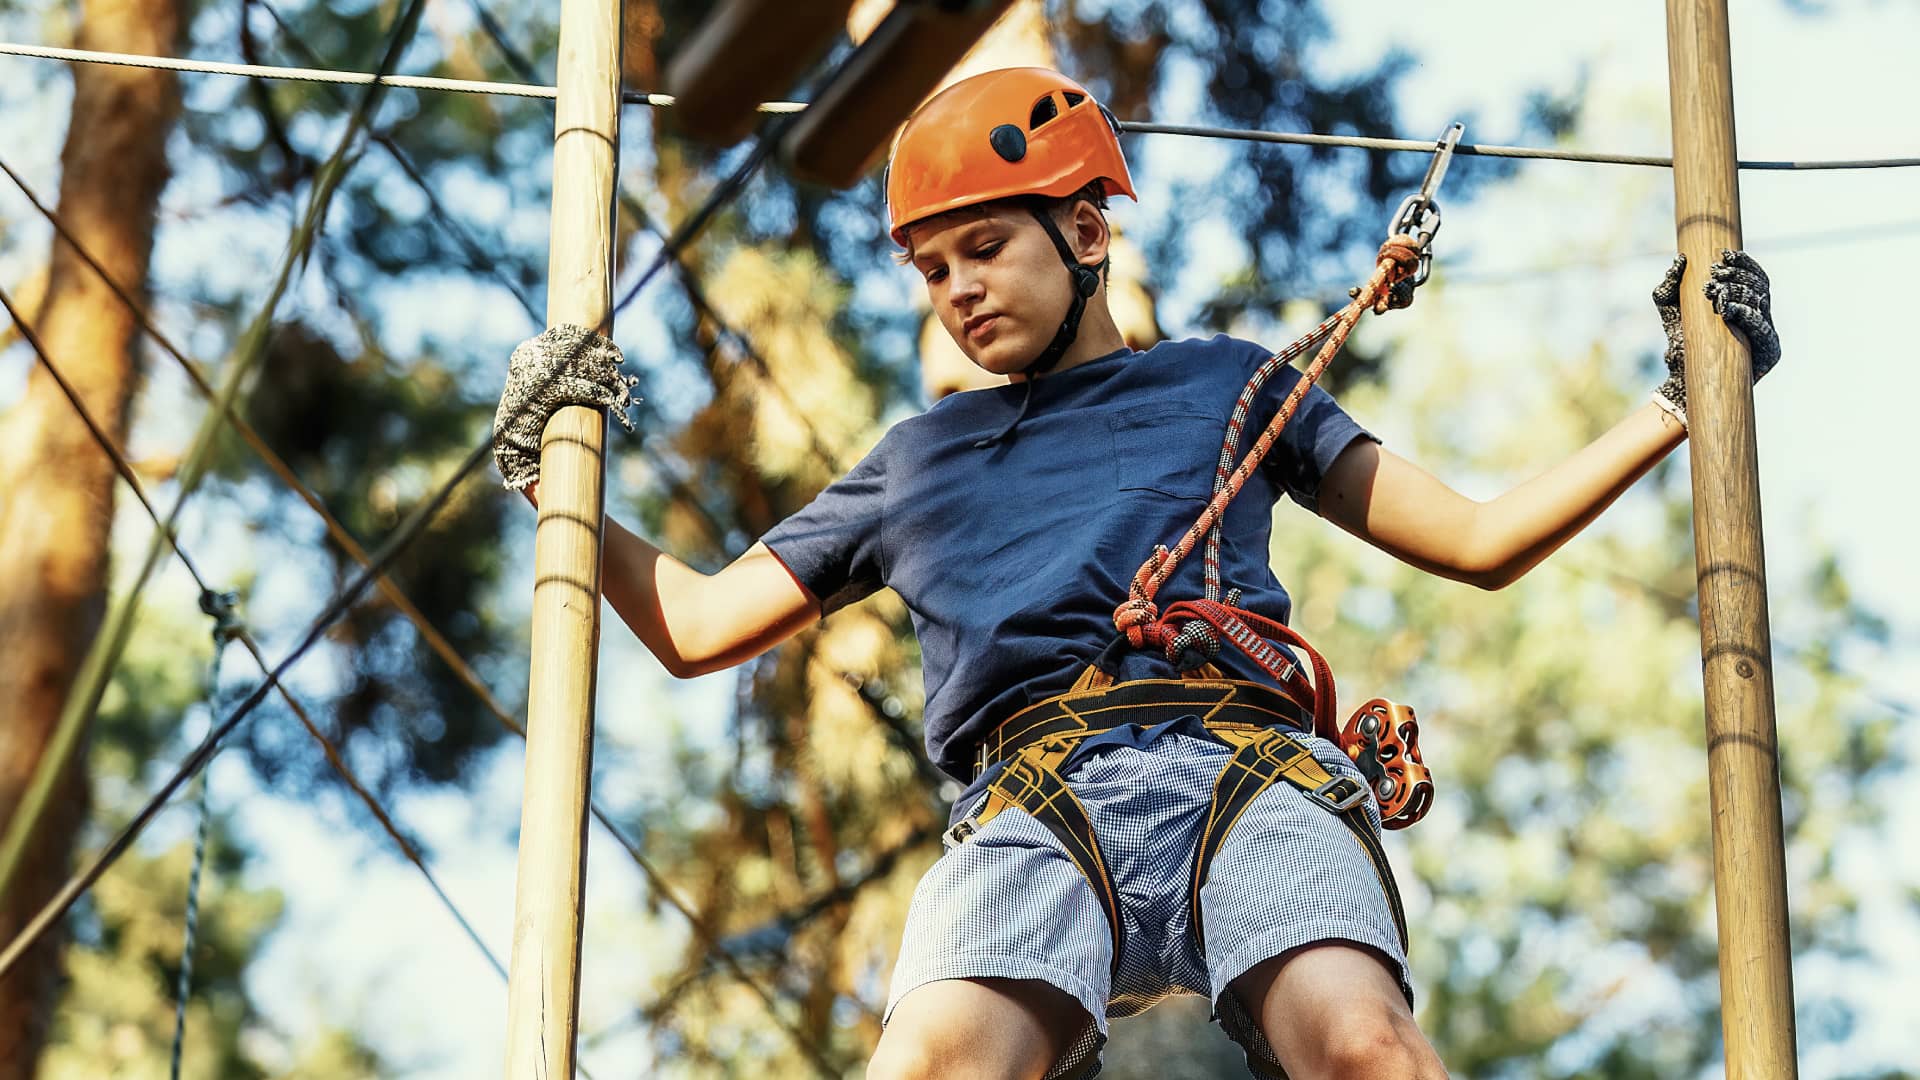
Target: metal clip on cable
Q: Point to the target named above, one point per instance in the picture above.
(1419, 215)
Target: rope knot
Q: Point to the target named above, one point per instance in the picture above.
(1404, 252)
(1134, 617)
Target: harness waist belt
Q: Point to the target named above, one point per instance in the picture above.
(1078, 714)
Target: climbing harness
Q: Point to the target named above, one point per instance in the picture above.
(1250, 719)
(226, 627)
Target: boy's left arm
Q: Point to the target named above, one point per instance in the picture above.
(1396, 506)
(1407, 512)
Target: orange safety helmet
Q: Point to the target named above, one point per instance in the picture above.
(1016, 131)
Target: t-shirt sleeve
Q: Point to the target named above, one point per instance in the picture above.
(832, 547)
(1319, 431)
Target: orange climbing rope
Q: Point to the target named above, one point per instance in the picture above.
(1381, 737)
(1140, 619)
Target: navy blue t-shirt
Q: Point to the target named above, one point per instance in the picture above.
(1012, 558)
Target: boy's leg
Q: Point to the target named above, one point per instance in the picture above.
(1004, 962)
(1303, 943)
(1003, 1029)
(1334, 1011)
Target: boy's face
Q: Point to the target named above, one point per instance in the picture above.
(996, 283)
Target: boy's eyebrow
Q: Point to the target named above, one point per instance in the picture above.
(963, 234)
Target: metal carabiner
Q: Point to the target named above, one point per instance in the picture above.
(1419, 214)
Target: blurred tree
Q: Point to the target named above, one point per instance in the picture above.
(56, 501)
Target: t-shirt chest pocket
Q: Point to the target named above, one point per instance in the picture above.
(1172, 448)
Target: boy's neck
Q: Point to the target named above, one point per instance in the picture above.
(1098, 336)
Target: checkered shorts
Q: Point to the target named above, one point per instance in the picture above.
(1010, 904)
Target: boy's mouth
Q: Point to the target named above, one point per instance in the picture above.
(979, 327)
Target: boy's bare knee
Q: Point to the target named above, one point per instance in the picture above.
(1378, 1046)
(987, 1029)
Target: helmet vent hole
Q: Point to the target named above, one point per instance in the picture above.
(1073, 98)
(1043, 111)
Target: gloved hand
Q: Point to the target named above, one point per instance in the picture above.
(566, 365)
(1741, 296)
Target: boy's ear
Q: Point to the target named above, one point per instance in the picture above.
(1091, 232)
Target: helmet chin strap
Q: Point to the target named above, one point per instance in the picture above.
(1086, 282)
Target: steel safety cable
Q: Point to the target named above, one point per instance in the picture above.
(788, 108)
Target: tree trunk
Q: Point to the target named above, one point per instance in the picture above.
(56, 506)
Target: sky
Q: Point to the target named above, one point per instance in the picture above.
(366, 946)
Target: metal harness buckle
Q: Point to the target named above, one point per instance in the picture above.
(961, 832)
(1339, 794)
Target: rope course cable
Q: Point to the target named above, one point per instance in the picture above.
(226, 626)
(656, 881)
(430, 634)
(344, 78)
(1425, 146)
(788, 108)
(84, 696)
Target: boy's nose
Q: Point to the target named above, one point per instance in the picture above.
(965, 290)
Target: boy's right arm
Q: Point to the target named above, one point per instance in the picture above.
(695, 623)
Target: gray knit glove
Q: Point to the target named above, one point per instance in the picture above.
(1741, 296)
(567, 365)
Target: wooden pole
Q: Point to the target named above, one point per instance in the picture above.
(543, 994)
(1743, 765)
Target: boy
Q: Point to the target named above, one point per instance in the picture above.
(1105, 854)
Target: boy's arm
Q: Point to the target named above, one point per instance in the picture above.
(1395, 506)
(694, 623)
(1405, 511)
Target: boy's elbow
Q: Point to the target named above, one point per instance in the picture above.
(1488, 572)
(1493, 577)
(1492, 581)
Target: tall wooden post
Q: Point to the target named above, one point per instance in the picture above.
(1743, 765)
(543, 995)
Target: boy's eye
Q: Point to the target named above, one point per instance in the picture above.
(936, 274)
(990, 250)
